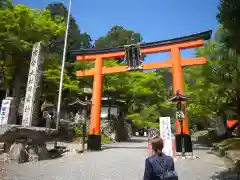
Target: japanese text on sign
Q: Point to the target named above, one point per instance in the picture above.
(166, 134)
(31, 86)
(152, 132)
(5, 109)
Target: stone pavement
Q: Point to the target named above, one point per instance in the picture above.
(117, 161)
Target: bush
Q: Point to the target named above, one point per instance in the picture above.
(144, 124)
(105, 139)
(77, 130)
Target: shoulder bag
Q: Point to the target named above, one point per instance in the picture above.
(167, 175)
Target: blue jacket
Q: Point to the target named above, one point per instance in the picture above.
(152, 167)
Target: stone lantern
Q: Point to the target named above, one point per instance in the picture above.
(180, 115)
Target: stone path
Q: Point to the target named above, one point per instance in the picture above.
(117, 161)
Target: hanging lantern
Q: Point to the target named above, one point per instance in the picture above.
(133, 57)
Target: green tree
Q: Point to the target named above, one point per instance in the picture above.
(145, 93)
(229, 17)
(20, 28)
(118, 36)
(76, 39)
(214, 87)
(6, 4)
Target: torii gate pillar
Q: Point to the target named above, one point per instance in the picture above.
(178, 84)
(94, 138)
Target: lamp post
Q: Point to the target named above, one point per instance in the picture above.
(180, 117)
(85, 106)
(179, 98)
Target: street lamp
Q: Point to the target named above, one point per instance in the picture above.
(179, 98)
(85, 106)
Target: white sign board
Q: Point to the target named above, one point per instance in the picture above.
(166, 135)
(5, 109)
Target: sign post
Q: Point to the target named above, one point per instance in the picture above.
(5, 110)
(166, 135)
(151, 133)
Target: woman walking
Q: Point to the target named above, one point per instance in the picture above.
(159, 166)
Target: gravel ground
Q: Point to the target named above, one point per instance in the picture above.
(117, 161)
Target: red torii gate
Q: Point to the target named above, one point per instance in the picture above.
(175, 62)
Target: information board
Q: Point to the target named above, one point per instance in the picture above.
(5, 109)
(166, 135)
(152, 132)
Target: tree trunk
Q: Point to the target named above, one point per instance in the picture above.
(16, 87)
(109, 108)
(223, 116)
(238, 131)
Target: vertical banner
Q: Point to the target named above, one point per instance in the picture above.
(166, 135)
(5, 109)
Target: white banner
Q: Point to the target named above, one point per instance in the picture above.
(166, 135)
(5, 109)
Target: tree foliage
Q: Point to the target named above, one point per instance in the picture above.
(21, 27)
(76, 39)
(229, 17)
(118, 36)
(6, 4)
(214, 87)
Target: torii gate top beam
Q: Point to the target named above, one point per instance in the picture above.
(191, 41)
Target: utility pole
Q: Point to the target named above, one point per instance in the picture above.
(63, 65)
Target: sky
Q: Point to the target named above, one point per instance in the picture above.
(154, 19)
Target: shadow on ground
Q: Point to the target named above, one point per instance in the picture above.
(136, 140)
(56, 153)
(226, 175)
(200, 147)
(121, 147)
(132, 143)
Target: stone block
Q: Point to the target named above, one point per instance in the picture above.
(237, 165)
(18, 153)
(221, 152)
(33, 155)
(2, 145)
(43, 152)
